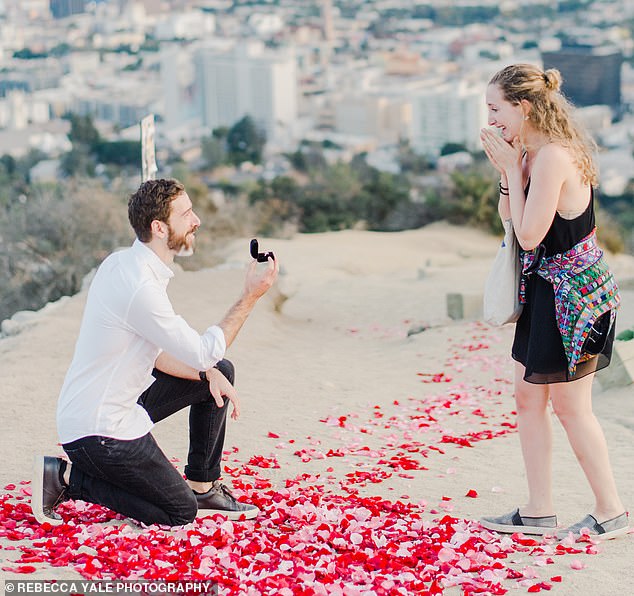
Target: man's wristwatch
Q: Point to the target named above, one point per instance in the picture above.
(203, 375)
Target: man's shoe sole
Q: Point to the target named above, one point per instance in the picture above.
(37, 493)
(231, 515)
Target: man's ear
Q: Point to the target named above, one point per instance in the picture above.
(159, 229)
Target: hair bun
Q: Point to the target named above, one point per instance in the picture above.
(552, 79)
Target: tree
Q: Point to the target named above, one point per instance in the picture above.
(213, 151)
(77, 162)
(616, 217)
(409, 160)
(53, 239)
(245, 141)
(478, 198)
(61, 49)
(309, 157)
(472, 198)
(8, 163)
(14, 175)
(83, 131)
(381, 195)
(298, 160)
(122, 153)
(28, 54)
(220, 132)
(449, 148)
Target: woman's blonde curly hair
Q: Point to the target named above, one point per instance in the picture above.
(551, 113)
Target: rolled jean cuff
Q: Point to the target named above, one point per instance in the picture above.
(202, 475)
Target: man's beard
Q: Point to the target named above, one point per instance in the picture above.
(183, 245)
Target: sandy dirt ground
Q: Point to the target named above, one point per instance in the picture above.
(356, 325)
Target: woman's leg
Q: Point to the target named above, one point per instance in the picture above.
(533, 422)
(572, 403)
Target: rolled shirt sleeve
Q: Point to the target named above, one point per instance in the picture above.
(152, 316)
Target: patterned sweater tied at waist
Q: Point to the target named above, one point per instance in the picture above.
(584, 290)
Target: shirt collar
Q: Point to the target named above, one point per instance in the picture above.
(160, 269)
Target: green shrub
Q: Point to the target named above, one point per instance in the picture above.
(53, 239)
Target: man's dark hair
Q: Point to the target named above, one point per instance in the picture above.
(152, 201)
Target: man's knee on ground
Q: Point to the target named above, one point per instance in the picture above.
(186, 513)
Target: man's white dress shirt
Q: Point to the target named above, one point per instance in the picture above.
(128, 320)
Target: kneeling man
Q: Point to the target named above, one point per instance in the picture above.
(136, 362)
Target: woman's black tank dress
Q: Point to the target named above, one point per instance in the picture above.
(537, 343)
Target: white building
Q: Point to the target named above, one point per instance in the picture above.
(178, 82)
(248, 79)
(13, 111)
(615, 170)
(46, 170)
(19, 110)
(450, 112)
(265, 24)
(386, 119)
(50, 138)
(12, 37)
(58, 101)
(81, 63)
(192, 24)
(376, 100)
(34, 9)
(122, 99)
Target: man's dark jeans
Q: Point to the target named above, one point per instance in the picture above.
(135, 478)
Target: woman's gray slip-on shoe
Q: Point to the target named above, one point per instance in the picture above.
(514, 522)
(611, 528)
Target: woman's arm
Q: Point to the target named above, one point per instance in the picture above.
(504, 206)
(501, 155)
(533, 214)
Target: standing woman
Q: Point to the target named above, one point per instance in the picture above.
(566, 329)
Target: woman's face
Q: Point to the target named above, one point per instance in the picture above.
(503, 115)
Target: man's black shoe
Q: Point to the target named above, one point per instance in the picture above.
(48, 488)
(220, 500)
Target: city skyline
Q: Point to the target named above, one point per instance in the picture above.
(365, 74)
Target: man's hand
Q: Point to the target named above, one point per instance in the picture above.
(257, 283)
(219, 387)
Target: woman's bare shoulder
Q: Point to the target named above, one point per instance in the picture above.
(555, 154)
(554, 162)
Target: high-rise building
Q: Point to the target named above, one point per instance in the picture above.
(178, 80)
(384, 118)
(31, 9)
(65, 8)
(591, 74)
(327, 21)
(248, 79)
(450, 112)
(150, 6)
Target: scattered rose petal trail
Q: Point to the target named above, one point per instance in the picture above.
(461, 415)
(309, 541)
(321, 536)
